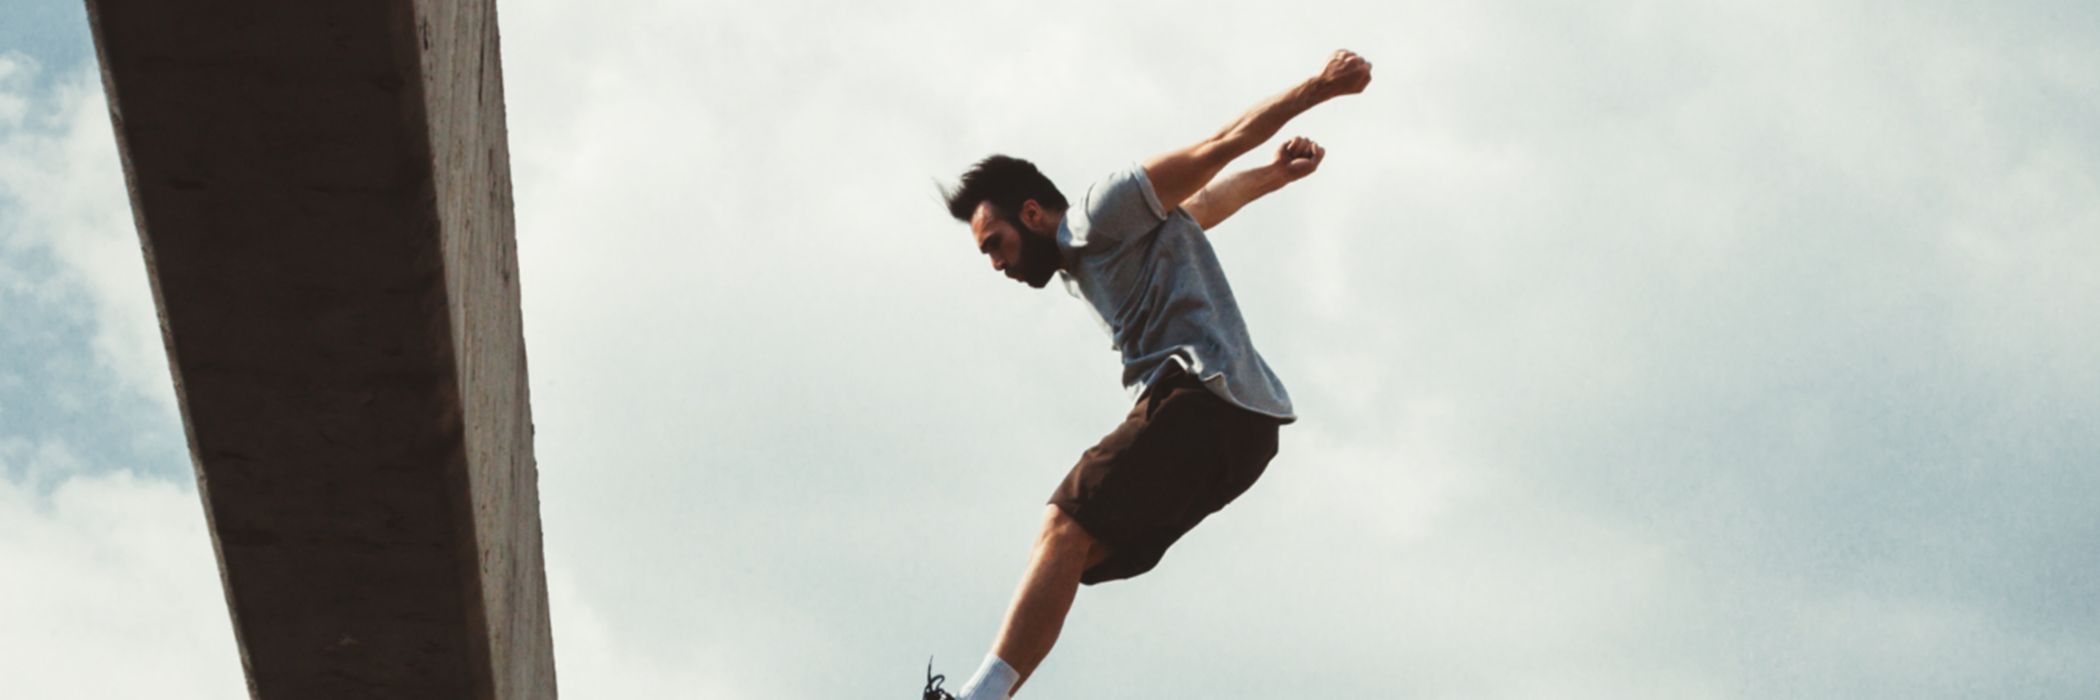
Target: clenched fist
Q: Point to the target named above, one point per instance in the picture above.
(1346, 74)
(1299, 157)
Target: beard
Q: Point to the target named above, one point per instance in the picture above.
(1040, 259)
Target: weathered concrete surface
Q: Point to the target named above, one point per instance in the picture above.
(322, 191)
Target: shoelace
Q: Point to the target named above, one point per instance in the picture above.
(933, 684)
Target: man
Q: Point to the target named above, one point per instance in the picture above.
(1206, 419)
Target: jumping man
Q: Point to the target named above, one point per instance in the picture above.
(1208, 408)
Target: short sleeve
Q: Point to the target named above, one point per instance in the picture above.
(1120, 207)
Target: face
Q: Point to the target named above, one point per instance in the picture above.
(1028, 256)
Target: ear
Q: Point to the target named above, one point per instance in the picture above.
(1033, 214)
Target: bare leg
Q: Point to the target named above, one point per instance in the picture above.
(1062, 551)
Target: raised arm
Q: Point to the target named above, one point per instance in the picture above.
(1296, 159)
(1179, 174)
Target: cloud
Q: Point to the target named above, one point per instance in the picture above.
(597, 662)
(1644, 350)
(110, 588)
(62, 189)
(1611, 328)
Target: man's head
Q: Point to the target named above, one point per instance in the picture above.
(1013, 213)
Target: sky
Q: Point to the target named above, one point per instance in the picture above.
(1642, 349)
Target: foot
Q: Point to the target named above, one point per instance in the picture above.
(933, 684)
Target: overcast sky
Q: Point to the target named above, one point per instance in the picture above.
(1642, 349)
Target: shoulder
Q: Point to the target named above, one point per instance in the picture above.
(1119, 206)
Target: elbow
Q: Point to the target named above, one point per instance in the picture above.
(1197, 212)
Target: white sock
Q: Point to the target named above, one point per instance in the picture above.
(993, 680)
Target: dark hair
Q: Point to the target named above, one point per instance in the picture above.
(1006, 182)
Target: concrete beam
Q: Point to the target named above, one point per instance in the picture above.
(322, 191)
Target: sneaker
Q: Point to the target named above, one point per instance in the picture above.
(933, 684)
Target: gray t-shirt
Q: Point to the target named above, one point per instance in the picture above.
(1155, 284)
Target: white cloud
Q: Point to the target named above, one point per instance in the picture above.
(109, 588)
(1581, 301)
(62, 189)
(596, 662)
(114, 568)
(1646, 350)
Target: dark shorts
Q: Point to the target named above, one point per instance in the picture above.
(1181, 454)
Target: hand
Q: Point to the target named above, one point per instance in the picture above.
(1346, 74)
(1299, 157)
